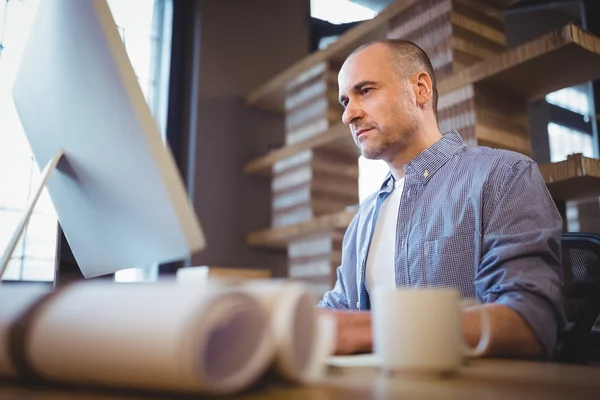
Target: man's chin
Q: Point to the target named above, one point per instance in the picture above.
(370, 154)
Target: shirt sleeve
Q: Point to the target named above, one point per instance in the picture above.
(338, 297)
(521, 252)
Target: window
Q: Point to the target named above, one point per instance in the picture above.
(33, 258)
(371, 174)
(565, 141)
(339, 11)
(144, 26)
(574, 98)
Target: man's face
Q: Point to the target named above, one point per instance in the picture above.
(380, 106)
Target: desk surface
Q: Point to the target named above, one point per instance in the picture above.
(488, 379)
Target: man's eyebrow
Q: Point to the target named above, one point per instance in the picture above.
(357, 88)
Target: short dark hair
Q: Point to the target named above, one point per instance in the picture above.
(405, 50)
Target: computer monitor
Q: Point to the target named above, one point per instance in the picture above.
(117, 192)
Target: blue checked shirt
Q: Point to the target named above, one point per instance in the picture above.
(477, 219)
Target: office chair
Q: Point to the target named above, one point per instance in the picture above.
(581, 268)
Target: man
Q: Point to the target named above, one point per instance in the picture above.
(473, 218)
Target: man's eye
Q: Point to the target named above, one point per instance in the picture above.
(366, 90)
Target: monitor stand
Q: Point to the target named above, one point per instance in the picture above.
(48, 169)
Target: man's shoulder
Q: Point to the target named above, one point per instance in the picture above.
(494, 160)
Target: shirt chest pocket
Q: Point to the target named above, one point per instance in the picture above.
(451, 262)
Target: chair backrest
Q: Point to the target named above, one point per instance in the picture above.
(581, 269)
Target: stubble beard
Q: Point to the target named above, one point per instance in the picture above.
(388, 143)
(377, 150)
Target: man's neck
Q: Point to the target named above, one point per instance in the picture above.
(420, 141)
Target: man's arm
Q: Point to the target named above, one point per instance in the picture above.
(337, 298)
(510, 336)
(520, 265)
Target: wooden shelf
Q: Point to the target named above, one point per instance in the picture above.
(562, 58)
(278, 238)
(576, 178)
(270, 96)
(337, 138)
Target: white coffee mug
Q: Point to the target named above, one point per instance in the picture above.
(418, 330)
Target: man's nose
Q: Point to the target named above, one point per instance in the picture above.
(351, 114)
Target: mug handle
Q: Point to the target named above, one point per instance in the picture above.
(484, 338)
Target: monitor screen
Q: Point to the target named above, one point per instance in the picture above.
(118, 195)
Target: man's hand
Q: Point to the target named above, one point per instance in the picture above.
(353, 331)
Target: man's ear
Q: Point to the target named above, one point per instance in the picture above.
(423, 88)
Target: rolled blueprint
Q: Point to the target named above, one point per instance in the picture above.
(158, 336)
(304, 338)
(15, 300)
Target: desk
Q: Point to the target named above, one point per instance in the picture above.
(481, 379)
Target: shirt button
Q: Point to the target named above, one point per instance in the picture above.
(358, 304)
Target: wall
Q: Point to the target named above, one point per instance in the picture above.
(242, 45)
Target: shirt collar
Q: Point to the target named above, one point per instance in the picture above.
(430, 160)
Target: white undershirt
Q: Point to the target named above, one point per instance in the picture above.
(380, 269)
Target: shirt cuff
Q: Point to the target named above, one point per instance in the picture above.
(538, 313)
